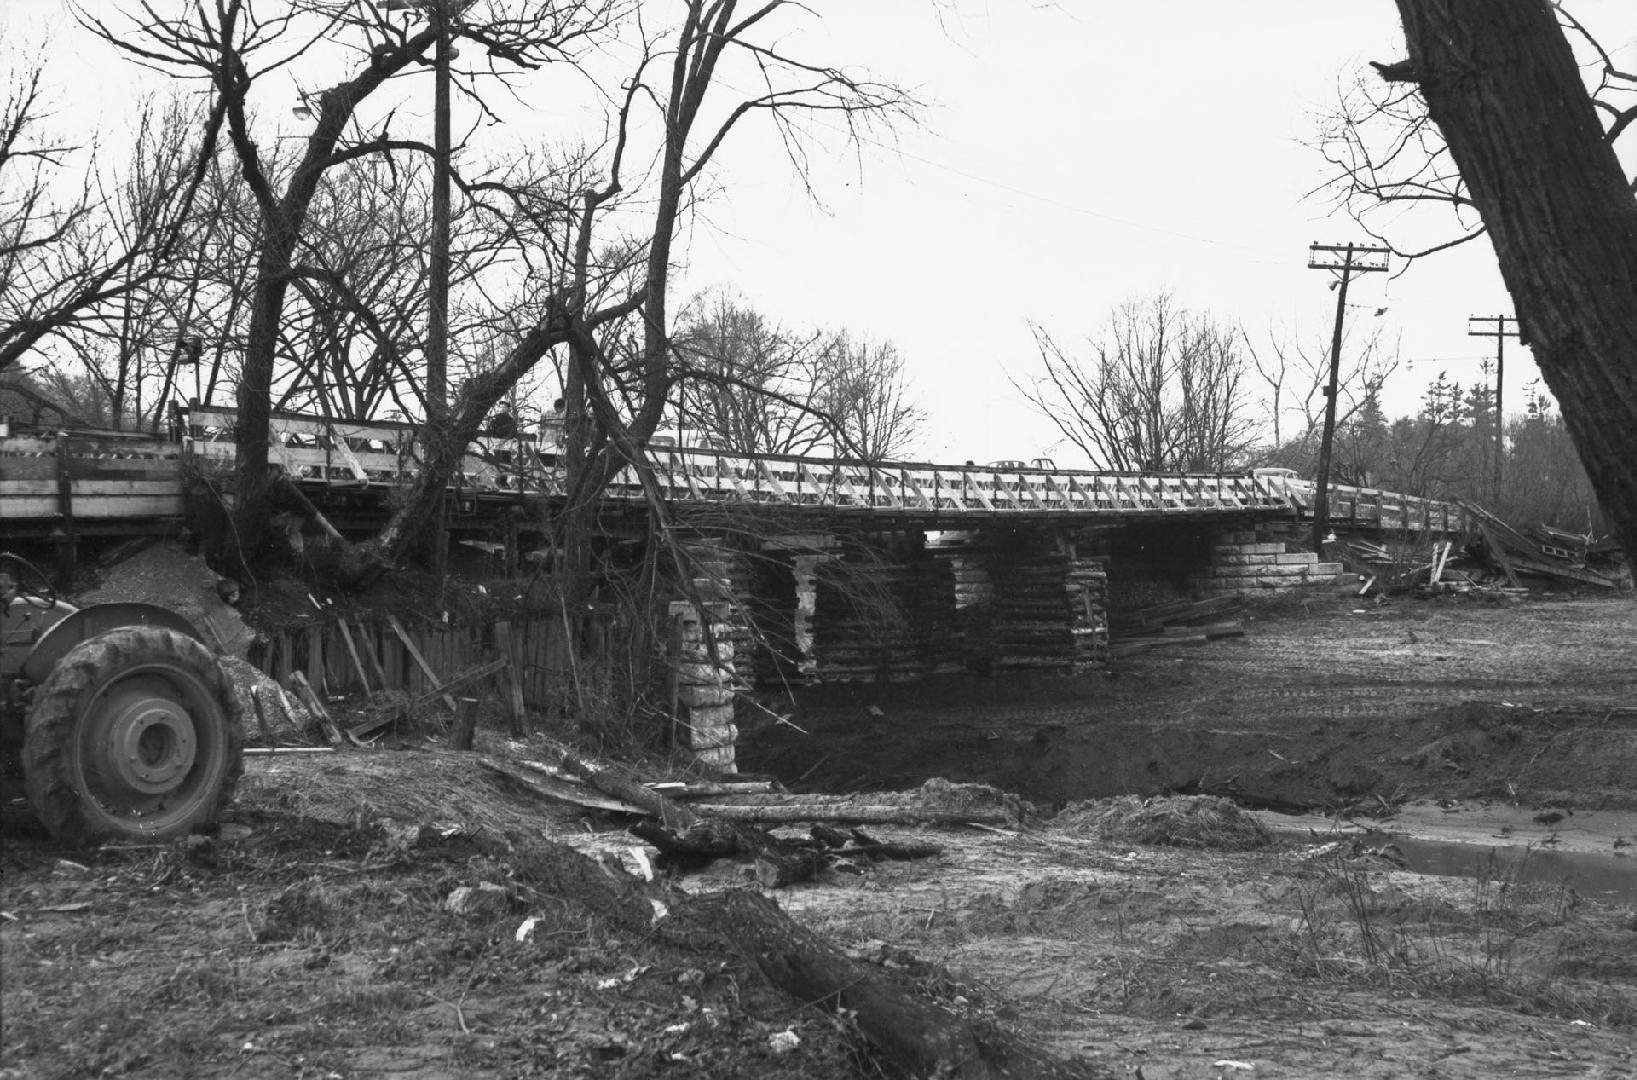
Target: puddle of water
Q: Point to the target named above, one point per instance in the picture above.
(1605, 877)
(1588, 850)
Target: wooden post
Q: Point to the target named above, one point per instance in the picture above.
(465, 725)
(514, 681)
(315, 658)
(67, 548)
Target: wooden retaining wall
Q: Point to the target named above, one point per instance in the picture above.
(340, 657)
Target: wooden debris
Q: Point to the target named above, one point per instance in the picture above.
(465, 726)
(677, 789)
(1181, 622)
(304, 691)
(459, 682)
(1514, 553)
(420, 661)
(352, 652)
(692, 831)
(856, 809)
(514, 679)
(558, 790)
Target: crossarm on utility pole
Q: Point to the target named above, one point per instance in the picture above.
(1348, 267)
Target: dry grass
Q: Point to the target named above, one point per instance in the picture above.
(1188, 821)
(441, 789)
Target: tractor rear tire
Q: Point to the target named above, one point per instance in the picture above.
(135, 734)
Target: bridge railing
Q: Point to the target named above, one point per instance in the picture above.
(1387, 510)
(340, 453)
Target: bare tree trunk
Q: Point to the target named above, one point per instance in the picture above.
(1502, 84)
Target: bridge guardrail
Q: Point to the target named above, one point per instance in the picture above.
(364, 455)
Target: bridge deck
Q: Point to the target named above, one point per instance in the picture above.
(49, 478)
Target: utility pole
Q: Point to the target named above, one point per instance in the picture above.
(1500, 334)
(437, 331)
(1323, 257)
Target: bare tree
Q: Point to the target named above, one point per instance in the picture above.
(71, 245)
(1162, 390)
(1536, 155)
(231, 46)
(747, 383)
(619, 375)
(757, 387)
(863, 390)
(1296, 374)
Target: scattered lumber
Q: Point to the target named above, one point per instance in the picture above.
(304, 691)
(420, 661)
(687, 833)
(459, 682)
(851, 808)
(1514, 553)
(678, 789)
(1175, 613)
(777, 863)
(1179, 622)
(921, 1039)
(558, 790)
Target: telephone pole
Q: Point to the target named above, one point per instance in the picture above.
(1500, 334)
(1353, 261)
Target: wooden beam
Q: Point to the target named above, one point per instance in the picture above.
(420, 661)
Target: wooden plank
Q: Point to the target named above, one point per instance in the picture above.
(96, 506)
(514, 683)
(315, 658)
(315, 705)
(368, 646)
(67, 556)
(420, 661)
(352, 652)
(144, 486)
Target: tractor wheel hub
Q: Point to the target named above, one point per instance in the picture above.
(148, 742)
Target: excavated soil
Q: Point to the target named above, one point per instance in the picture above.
(1321, 705)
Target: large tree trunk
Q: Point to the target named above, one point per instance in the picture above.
(1501, 83)
(254, 487)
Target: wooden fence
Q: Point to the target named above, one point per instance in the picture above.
(341, 657)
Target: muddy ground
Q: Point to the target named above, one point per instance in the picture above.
(1326, 702)
(403, 914)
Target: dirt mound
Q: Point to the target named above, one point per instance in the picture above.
(166, 576)
(1188, 821)
(946, 795)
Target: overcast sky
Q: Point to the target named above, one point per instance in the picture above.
(1069, 157)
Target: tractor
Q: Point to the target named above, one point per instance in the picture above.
(118, 719)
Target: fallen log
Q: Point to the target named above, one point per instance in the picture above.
(559, 791)
(862, 813)
(777, 862)
(921, 1039)
(677, 789)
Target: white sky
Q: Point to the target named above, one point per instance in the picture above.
(1071, 156)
